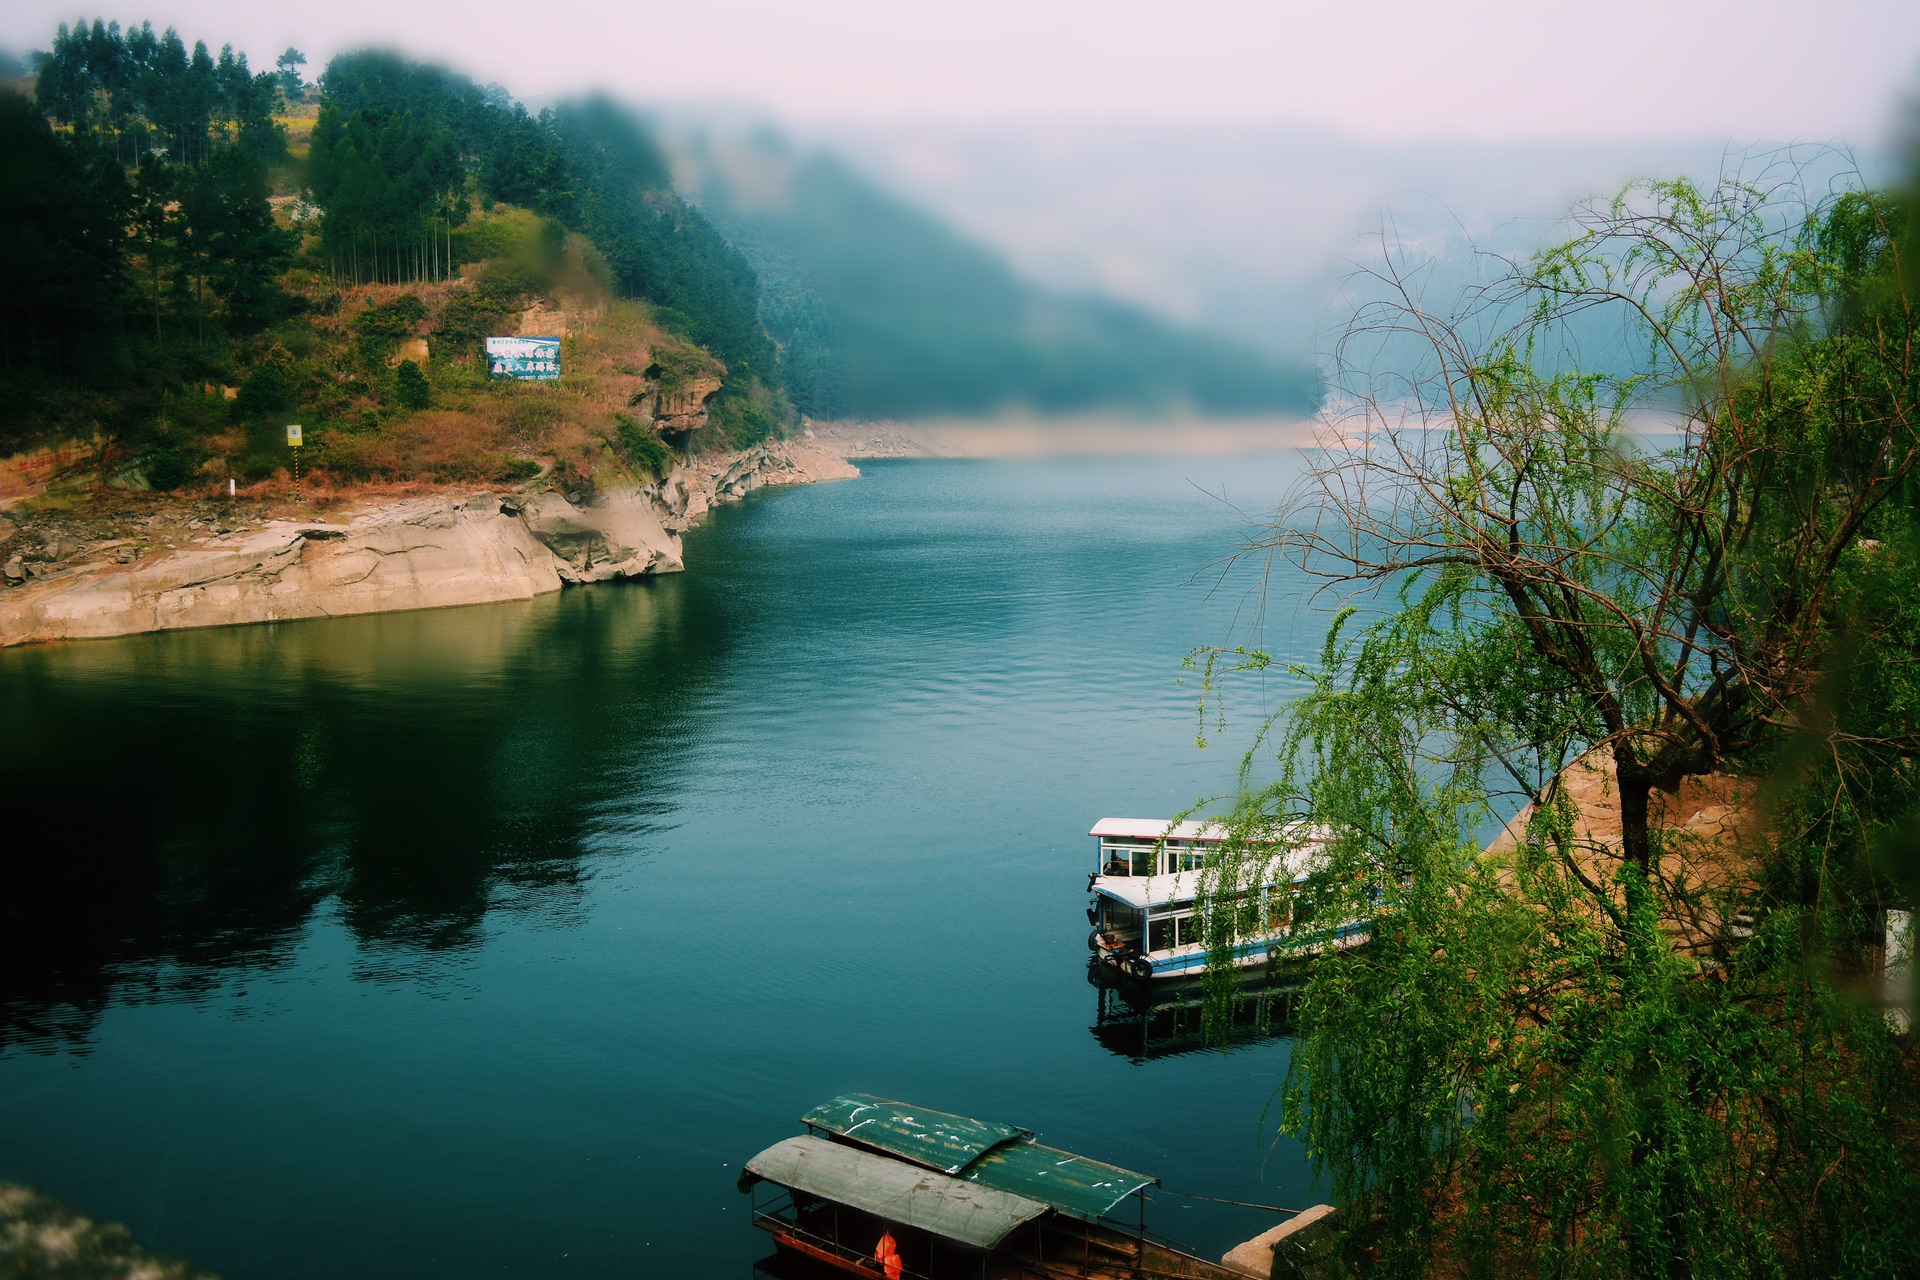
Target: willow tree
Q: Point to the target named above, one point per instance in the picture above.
(1692, 566)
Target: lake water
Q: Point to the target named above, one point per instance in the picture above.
(492, 940)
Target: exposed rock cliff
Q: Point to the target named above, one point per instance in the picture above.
(612, 535)
(683, 409)
(417, 553)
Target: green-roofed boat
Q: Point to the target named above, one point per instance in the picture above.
(883, 1189)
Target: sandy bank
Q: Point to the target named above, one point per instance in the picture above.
(423, 552)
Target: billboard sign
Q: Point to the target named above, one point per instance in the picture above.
(524, 359)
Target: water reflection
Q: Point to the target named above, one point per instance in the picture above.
(503, 934)
(1143, 1022)
(200, 795)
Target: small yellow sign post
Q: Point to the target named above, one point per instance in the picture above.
(293, 442)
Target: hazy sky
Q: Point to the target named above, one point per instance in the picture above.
(1384, 70)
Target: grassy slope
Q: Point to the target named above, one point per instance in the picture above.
(336, 368)
(333, 365)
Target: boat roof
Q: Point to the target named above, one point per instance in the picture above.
(1292, 834)
(937, 1139)
(1141, 892)
(1003, 1157)
(1155, 828)
(1149, 891)
(972, 1213)
(1072, 1184)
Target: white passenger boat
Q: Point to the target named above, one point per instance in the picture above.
(1145, 917)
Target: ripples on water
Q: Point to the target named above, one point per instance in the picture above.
(492, 940)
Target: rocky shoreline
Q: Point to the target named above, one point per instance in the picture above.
(41, 1236)
(221, 568)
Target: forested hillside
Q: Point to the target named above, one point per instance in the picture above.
(882, 311)
(205, 252)
(202, 252)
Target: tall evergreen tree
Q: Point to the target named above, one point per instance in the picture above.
(63, 279)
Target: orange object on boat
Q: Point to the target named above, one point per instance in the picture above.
(887, 1254)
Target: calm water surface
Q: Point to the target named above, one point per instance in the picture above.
(492, 940)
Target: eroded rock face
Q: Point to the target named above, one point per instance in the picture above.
(423, 553)
(685, 410)
(614, 535)
(419, 553)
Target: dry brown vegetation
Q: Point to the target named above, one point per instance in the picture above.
(621, 368)
(1713, 841)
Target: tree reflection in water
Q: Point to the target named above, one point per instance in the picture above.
(198, 797)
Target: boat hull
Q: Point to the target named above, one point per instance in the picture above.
(1113, 1257)
(1258, 953)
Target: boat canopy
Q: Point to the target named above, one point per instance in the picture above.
(966, 1212)
(937, 1139)
(1074, 1185)
(1002, 1157)
(1155, 828)
(1145, 892)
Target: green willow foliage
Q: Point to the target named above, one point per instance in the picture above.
(1569, 1060)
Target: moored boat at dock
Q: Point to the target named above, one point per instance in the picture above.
(884, 1189)
(1147, 912)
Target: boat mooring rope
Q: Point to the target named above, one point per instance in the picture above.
(1244, 1204)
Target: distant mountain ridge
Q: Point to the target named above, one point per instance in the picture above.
(882, 310)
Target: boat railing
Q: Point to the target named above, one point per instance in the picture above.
(781, 1216)
(822, 1244)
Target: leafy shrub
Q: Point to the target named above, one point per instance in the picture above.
(397, 318)
(501, 231)
(194, 416)
(378, 328)
(674, 321)
(168, 469)
(530, 411)
(466, 320)
(410, 386)
(674, 367)
(484, 309)
(644, 451)
(508, 285)
(553, 243)
(271, 388)
(746, 415)
(436, 445)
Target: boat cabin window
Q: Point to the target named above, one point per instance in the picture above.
(1184, 858)
(1119, 918)
(1124, 858)
(1174, 931)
